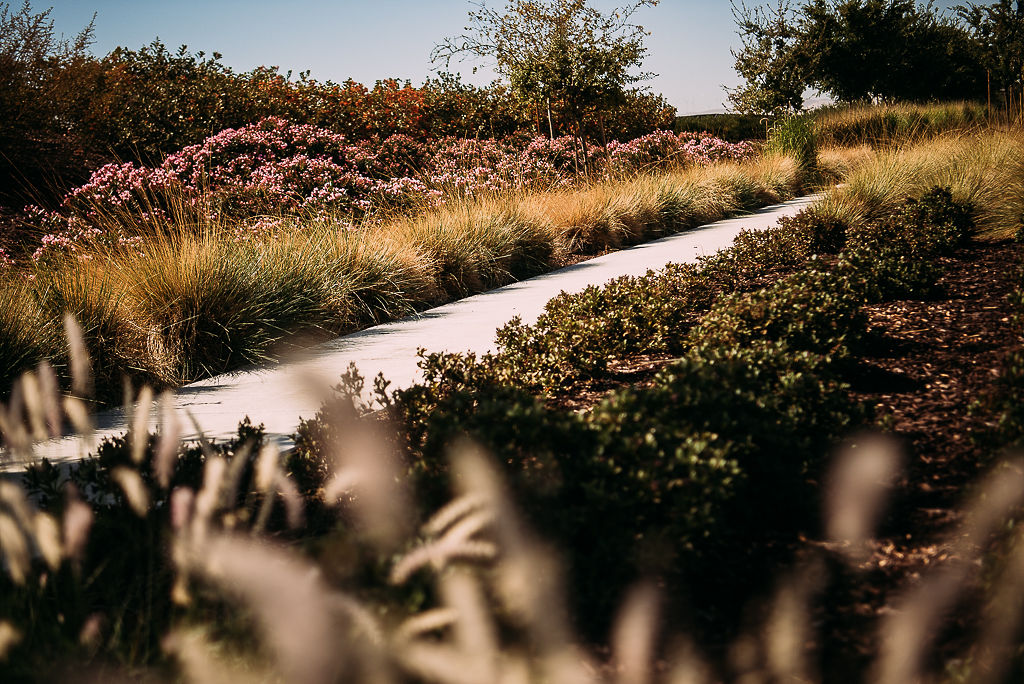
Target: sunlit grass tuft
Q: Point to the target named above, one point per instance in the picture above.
(117, 341)
(895, 124)
(474, 245)
(27, 333)
(984, 169)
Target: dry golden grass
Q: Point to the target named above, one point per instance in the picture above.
(469, 246)
(614, 213)
(895, 124)
(985, 169)
(837, 163)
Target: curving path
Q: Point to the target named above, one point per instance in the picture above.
(278, 396)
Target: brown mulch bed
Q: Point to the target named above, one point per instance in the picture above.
(933, 363)
(927, 366)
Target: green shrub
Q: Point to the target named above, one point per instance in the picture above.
(720, 432)
(807, 311)
(771, 411)
(933, 225)
(579, 334)
(885, 274)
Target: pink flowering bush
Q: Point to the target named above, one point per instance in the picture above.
(249, 178)
(660, 147)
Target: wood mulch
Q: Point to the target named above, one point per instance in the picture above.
(935, 364)
(927, 368)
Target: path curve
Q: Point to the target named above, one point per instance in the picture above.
(279, 395)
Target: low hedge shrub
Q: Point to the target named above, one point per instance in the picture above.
(933, 225)
(809, 310)
(578, 335)
(720, 434)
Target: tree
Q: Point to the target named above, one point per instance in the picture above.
(853, 50)
(769, 62)
(561, 54)
(44, 85)
(998, 30)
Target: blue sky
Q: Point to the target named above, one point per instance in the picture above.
(688, 47)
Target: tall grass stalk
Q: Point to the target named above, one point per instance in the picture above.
(27, 333)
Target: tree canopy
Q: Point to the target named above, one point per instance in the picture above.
(998, 30)
(852, 50)
(561, 51)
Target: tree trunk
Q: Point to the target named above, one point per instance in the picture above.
(604, 144)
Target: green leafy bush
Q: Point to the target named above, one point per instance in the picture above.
(886, 274)
(579, 334)
(933, 225)
(807, 311)
(720, 432)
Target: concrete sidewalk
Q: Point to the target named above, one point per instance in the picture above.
(278, 396)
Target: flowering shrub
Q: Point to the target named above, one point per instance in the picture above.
(253, 175)
(688, 148)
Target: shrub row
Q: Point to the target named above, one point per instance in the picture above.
(578, 335)
(724, 441)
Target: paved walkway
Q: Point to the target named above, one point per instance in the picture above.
(278, 396)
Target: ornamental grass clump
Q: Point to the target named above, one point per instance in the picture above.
(795, 135)
(27, 333)
(895, 124)
(118, 342)
(984, 170)
(475, 245)
(217, 305)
